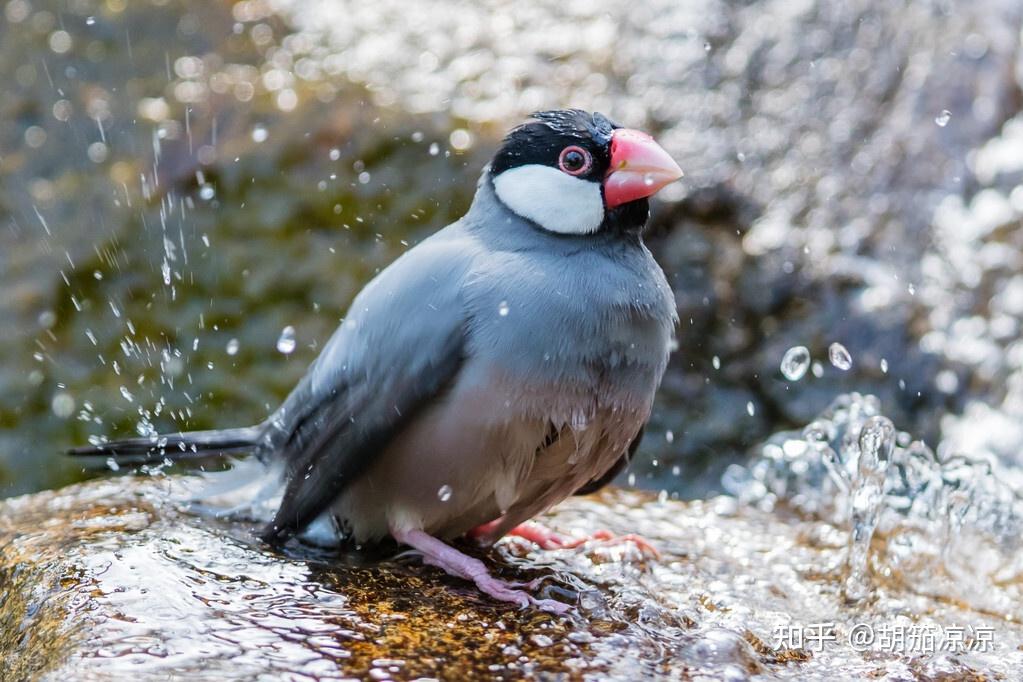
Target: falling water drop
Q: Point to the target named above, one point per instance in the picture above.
(795, 362)
(840, 357)
(444, 493)
(750, 409)
(63, 405)
(286, 341)
(502, 309)
(884, 366)
(232, 347)
(259, 134)
(943, 118)
(126, 394)
(434, 149)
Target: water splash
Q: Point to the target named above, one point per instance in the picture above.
(947, 524)
(840, 357)
(795, 362)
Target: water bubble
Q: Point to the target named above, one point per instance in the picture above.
(795, 362)
(502, 309)
(335, 154)
(286, 341)
(839, 356)
(63, 404)
(259, 134)
(444, 493)
(232, 347)
(716, 362)
(206, 192)
(943, 118)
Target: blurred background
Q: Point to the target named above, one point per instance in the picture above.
(192, 192)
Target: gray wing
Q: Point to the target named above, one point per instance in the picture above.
(399, 347)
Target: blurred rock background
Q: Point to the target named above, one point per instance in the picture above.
(187, 186)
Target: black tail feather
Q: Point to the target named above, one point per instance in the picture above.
(174, 446)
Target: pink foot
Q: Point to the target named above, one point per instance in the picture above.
(450, 560)
(546, 538)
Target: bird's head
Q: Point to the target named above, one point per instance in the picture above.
(576, 173)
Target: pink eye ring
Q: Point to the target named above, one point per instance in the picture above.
(574, 160)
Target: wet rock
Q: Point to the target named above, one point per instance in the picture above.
(117, 578)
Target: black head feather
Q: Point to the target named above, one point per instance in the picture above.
(541, 140)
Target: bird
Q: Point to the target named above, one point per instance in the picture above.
(501, 365)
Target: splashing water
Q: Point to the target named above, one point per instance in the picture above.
(795, 362)
(839, 356)
(944, 524)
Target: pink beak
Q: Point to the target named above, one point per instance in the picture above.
(639, 168)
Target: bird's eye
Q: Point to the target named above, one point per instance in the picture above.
(574, 160)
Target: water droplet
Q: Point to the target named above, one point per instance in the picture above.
(259, 134)
(232, 347)
(126, 394)
(206, 192)
(444, 493)
(839, 356)
(943, 118)
(884, 366)
(90, 21)
(669, 436)
(112, 464)
(716, 361)
(460, 139)
(434, 149)
(502, 309)
(286, 341)
(63, 404)
(795, 362)
(335, 154)
(750, 409)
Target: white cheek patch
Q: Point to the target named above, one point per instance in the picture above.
(554, 200)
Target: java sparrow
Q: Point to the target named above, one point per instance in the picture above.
(499, 366)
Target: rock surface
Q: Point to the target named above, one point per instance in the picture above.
(116, 579)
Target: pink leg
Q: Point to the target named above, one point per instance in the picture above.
(546, 538)
(449, 559)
